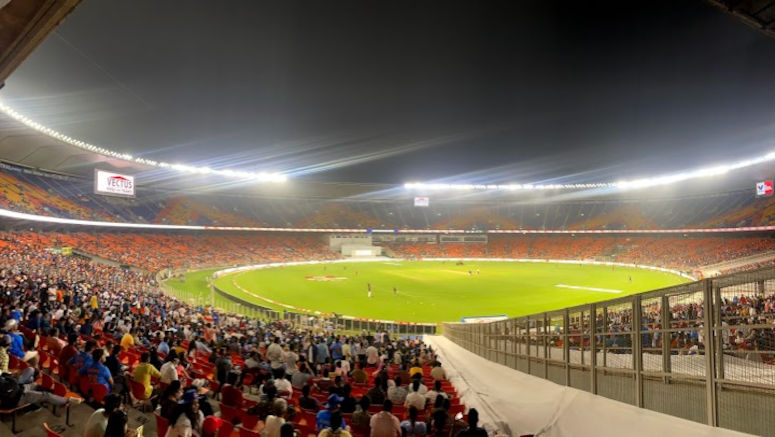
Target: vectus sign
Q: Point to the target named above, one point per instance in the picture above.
(113, 184)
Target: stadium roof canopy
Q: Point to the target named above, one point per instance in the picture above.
(24, 146)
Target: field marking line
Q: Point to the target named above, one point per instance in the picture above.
(576, 287)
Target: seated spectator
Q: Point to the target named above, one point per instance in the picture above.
(473, 430)
(438, 373)
(26, 379)
(431, 394)
(252, 362)
(163, 347)
(377, 393)
(210, 426)
(337, 427)
(128, 341)
(83, 359)
(144, 372)
(54, 344)
(422, 389)
(411, 427)
(117, 425)
(384, 423)
(306, 401)
(169, 370)
(348, 402)
(67, 353)
(302, 377)
(359, 375)
(269, 403)
(361, 416)
(186, 420)
(397, 393)
(17, 344)
(169, 398)
(272, 426)
(98, 421)
(416, 369)
(97, 372)
(324, 416)
(284, 387)
(415, 398)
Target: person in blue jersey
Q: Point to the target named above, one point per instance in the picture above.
(97, 372)
(83, 359)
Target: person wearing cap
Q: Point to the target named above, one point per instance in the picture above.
(210, 426)
(17, 344)
(337, 428)
(187, 420)
(324, 416)
(26, 381)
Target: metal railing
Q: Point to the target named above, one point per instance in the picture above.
(703, 351)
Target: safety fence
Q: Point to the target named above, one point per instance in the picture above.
(703, 351)
(335, 322)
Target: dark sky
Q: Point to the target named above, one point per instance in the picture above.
(391, 91)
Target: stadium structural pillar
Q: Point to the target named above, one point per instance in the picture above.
(604, 331)
(718, 338)
(592, 347)
(529, 361)
(711, 294)
(667, 337)
(545, 336)
(565, 345)
(637, 348)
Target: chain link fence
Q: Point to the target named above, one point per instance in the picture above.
(702, 351)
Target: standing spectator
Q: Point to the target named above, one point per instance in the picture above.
(274, 353)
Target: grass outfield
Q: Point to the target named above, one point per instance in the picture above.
(435, 291)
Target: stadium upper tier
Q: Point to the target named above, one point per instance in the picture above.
(53, 195)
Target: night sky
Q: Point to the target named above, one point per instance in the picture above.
(392, 91)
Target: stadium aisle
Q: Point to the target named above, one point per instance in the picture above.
(531, 405)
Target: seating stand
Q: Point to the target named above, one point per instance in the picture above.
(12, 412)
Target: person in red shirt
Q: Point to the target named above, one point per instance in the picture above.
(68, 352)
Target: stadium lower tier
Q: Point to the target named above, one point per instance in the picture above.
(156, 251)
(60, 307)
